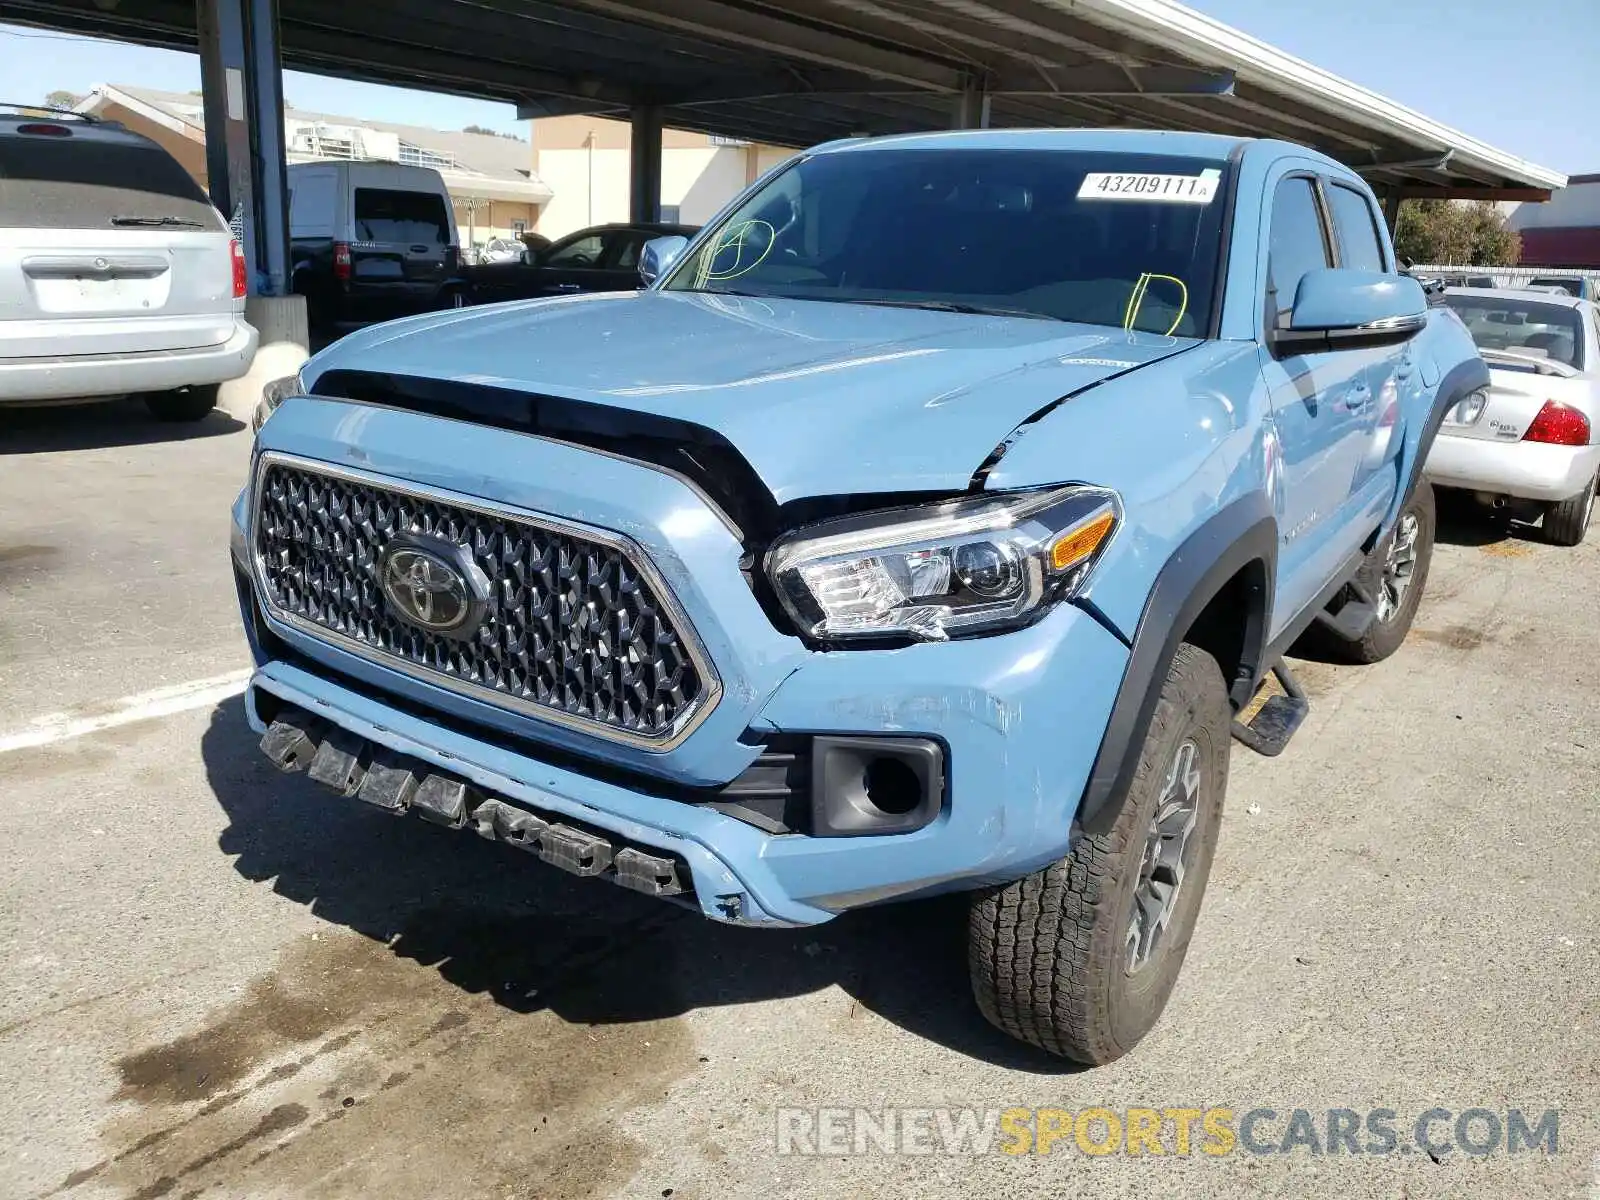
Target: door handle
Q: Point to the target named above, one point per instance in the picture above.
(1356, 400)
(568, 287)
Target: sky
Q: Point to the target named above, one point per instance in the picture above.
(1521, 79)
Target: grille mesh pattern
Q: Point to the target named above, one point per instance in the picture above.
(572, 626)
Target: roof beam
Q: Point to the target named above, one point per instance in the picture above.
(719, 22)
(1432, 162)
(1110, 79)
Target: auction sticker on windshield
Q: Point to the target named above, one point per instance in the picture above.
(1170, 189)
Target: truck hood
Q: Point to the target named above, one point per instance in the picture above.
(820, 398)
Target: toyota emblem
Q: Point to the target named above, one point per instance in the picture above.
(433, 584)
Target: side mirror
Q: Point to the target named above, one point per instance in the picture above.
(1339, 308)
(659, 255)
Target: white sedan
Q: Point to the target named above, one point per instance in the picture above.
(1529, 443)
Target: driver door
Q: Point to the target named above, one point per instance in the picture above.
(580, 265)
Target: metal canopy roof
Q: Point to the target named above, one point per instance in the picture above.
(798, 72)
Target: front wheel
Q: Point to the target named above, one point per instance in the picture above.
(1080, 957)
(1567, 522)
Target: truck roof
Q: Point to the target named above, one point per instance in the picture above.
(1139, 141)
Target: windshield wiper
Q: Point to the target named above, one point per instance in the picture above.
(981, 310)
(157, 222)
(738, 292)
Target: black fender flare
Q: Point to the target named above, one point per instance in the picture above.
(1242, 532)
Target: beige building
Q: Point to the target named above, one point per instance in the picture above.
(585, 162)
(491, 180)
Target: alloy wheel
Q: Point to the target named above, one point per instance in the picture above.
(1166, 856)
(1398, 566)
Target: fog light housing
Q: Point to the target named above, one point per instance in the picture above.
(862, 786)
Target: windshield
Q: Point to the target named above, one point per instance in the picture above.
(1497, 323)
(1125, 240)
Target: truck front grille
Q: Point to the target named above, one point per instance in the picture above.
(577, 627)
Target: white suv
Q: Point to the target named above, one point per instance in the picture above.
(117, 276)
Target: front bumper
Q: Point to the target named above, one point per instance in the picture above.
(60, 377)
(1020, 717)
(1524, 470)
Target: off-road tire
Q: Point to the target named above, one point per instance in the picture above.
(184, 404)
(1383, 638)
(1567, 521)
(1049, 953)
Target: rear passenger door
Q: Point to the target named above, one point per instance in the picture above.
(1318, 405)
(1383, 372)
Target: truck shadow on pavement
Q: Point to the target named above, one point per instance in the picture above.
(493, 921)
(98, 426)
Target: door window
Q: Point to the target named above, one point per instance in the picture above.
(1359, 245)
(579, 252)
(383, 215)
(1297, 243)
(627, 253)
(311, 204)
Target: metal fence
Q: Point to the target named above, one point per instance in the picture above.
(1577, 281)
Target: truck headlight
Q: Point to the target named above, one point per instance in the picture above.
(938, 571)
(274, 394)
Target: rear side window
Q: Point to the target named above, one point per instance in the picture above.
(311, 204)
(1358, 234)
(84, 182)
(1296, 244)
(383, 215)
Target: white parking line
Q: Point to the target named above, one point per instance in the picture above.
(160, 702)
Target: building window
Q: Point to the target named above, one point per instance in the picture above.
(671, 214)
(519, 228)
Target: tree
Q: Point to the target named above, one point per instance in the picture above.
(491, 132)
(1453, 234)
(60, 98)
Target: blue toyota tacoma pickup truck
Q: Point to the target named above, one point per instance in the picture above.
(932, 521)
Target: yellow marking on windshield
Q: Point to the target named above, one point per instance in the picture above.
(1136, 301)
(735, 238)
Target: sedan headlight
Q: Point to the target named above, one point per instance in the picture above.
(939, 571)
(274, 394)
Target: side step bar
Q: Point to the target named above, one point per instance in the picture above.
(1355, 615)
(1269, 731)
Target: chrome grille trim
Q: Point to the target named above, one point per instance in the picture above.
(695, 711)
